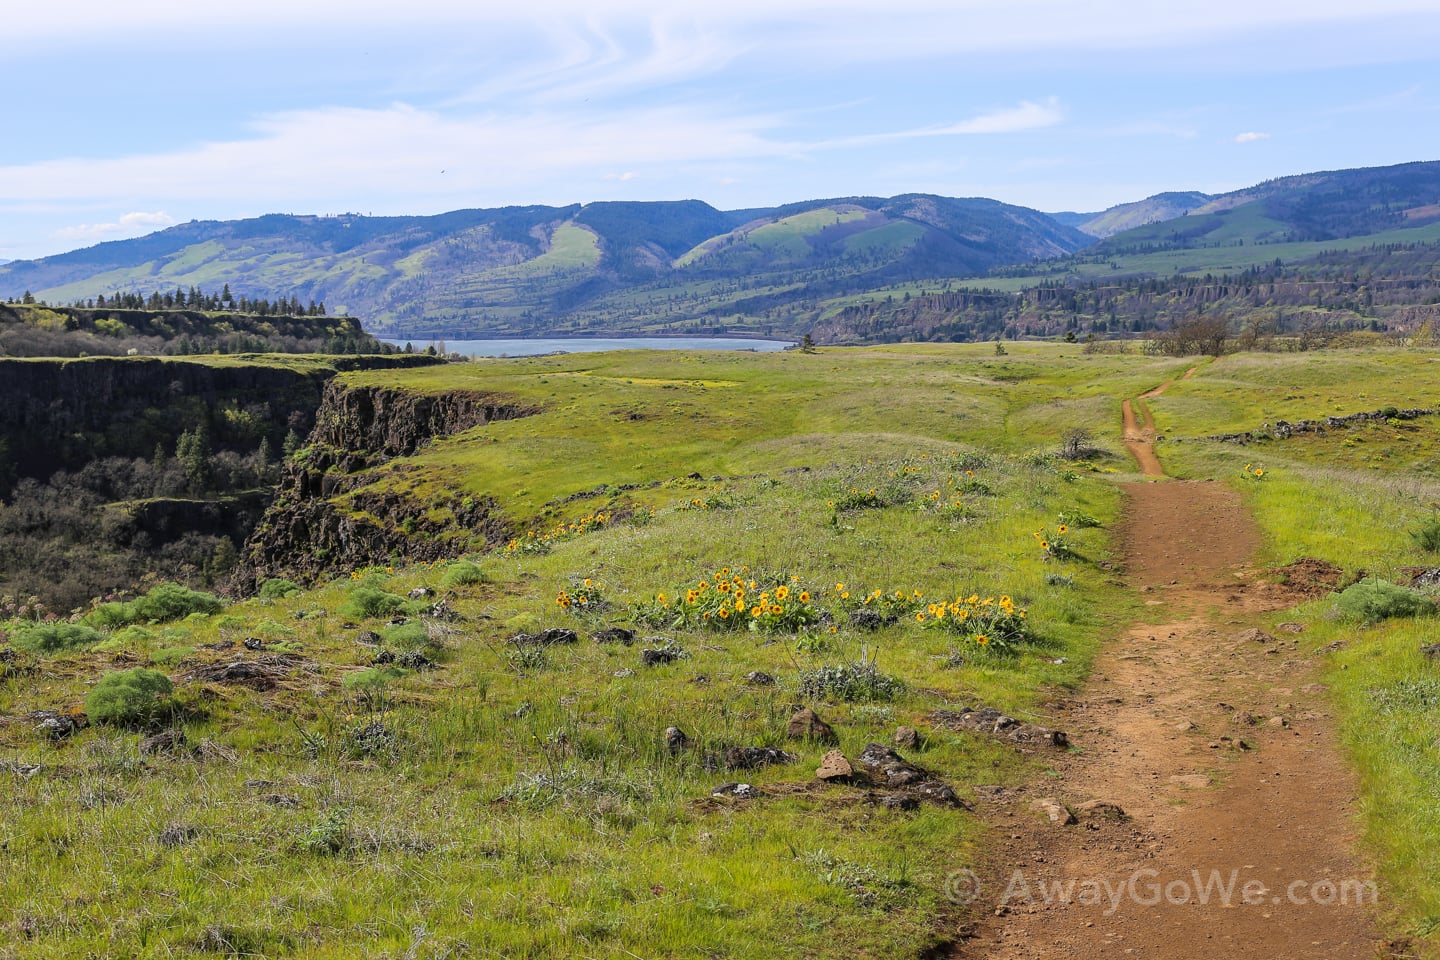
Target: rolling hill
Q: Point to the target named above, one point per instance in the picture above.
(658, 267)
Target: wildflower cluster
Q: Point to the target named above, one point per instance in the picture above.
(857, 499)
(26, 608)
(734, 600)
(715, 501)
(534, 542)
(1054, 544)
(984, 621)
(584, 596)
(1076, 519)
(897, 604)
(951, 506)
(1253, 472)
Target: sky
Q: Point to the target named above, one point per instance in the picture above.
(124, 118)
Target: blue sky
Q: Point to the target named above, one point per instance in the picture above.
(123, 118)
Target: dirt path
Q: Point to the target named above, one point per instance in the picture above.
(1221, 752)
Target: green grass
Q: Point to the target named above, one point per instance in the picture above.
(525, 806)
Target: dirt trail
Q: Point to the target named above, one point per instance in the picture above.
(1222, 753)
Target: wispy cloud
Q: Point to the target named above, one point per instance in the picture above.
(1251, 136)
(1027, 115)
(128, 225)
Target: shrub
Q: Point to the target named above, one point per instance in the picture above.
(365, 602)
(1371, 601)
(166, 602)
(54, 638)
(128, 697)
(463, 572)
(1427, 535)
(278, 588)
(857, 682)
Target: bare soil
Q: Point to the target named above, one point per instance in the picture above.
(1220, 748)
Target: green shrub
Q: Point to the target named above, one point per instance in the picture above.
(128, 697)
(166, 602)
(462, 573)
(1371, 601)
(365, 602)
(53, 638)
(407, 636)
(1427, 535)
(858, 682)
(278, 588)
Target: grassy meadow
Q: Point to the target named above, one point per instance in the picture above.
(436, 788)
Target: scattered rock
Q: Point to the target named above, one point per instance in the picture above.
(759, 679)
(57, 725)
(177, 835)
(368, 637)
(615, 635)
(172, 741)
(397, 622)
(1431, 651)
(748, 758)
(1254, 635)
(1290, 626)
(1278, 722)
(623, 672)
(1054, 810)
(253, 643)
(992, 722)
(545, 638)
(1101, 810)
(440, 610)
(229, 645)
(938, 792)
(676, 740)
(740, 791)
(421, 593)
(700, 679)
(407, 659)
(1185, 726)
(908, 738)
(807, 725)
(834, 767)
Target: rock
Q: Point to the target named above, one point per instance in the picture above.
(991, 722)
(886, 768)
(1290, 626)
(740, 791)
(1431, 651)
(1277, 722)
(1054, 810)
(759, 679)
(421, 593)
(440, 610)
(676, 740)
(894, 801)
(177, 835)
(907, 737)
(1254, 635)
(408, 659)
(937, 792)
(656, 656)
(253, 643)
(397, 622)
(615, 635)
(58, 725)
(748, 758)
(262, 674)
(368, 637)
(623, 672)
(868, 620)
(1101, 810)
(834, 767)
(807, 725)
(172, 741)
(545, 638)
(1185, 726)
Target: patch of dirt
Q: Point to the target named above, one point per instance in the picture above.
(1308, 578)
(1210, 802)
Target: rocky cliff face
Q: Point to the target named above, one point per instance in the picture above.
(328, 516)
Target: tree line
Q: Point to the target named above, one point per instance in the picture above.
(194, 299)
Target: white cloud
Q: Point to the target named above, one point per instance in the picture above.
(1250, 137)
(128, 225)
(625, 177)
(1025, 116)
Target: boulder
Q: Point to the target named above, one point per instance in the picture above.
(759, 679)
(886, 768)
(834, 767)
(748, 758)
(739, 791)
(807, 725)
(1054, 811)
(676, 740)
(615, 635)
(908, 738)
